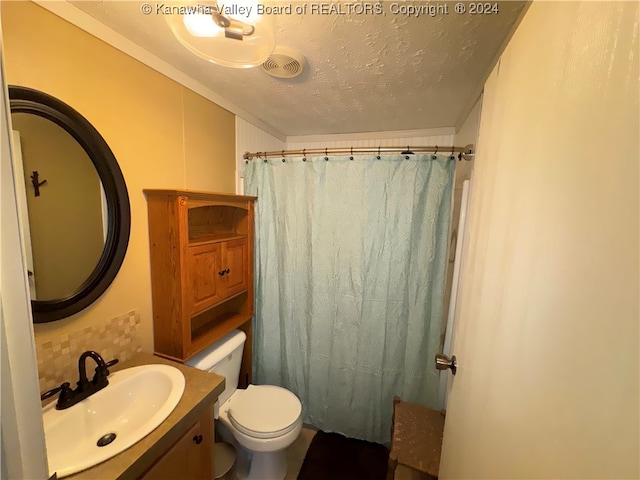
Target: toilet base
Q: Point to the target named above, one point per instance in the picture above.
(267, 466)
(255, 465)
(258, 458)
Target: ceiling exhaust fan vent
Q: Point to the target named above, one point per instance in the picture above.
(284, 62)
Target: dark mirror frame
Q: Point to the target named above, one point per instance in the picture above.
(27, 100)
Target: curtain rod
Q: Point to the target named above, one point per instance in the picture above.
(464, 153)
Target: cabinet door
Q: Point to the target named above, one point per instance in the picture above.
(235, 263)
(188, 459)
(205, 279)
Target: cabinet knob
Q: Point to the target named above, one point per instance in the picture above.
(197, 439)
(221, 273)
(227, 271)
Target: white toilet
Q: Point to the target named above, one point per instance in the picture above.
(263, 419)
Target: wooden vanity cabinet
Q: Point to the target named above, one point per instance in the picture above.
(191, 457)
(201, 249)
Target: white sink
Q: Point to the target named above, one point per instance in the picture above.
(134, 403)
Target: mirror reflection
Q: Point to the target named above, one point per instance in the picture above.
(62, 204)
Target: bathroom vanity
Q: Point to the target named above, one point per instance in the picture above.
(182, 446)
(201, 249)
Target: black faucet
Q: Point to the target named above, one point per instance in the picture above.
(86, 387)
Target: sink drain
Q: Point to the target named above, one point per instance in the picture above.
(106, 439)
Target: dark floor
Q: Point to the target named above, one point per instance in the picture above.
(298, 449)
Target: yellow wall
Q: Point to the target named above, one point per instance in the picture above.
(162, 134)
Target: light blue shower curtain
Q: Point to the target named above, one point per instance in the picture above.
(350, 272)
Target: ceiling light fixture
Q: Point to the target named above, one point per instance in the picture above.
(231, 34)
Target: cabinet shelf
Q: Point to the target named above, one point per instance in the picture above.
(206, 238)
(226, 323)
(201, 249)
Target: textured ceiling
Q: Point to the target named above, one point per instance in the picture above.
(365, 72)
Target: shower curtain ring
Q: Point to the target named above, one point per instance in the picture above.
(436, 150)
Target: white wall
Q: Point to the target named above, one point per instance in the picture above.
(468, 131)
(250, 138)
(399, 138)
(467, 135)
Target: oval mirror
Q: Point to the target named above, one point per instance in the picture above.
(73, 202)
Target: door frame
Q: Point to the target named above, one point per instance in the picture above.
(23, 453)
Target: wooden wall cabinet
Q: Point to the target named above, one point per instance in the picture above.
(218, 271)
(201, 249)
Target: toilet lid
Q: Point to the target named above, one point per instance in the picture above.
(265, 411)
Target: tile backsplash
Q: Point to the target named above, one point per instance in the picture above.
(115, 338)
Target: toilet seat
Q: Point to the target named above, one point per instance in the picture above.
(264, 411)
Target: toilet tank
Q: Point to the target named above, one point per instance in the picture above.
(223, 358)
